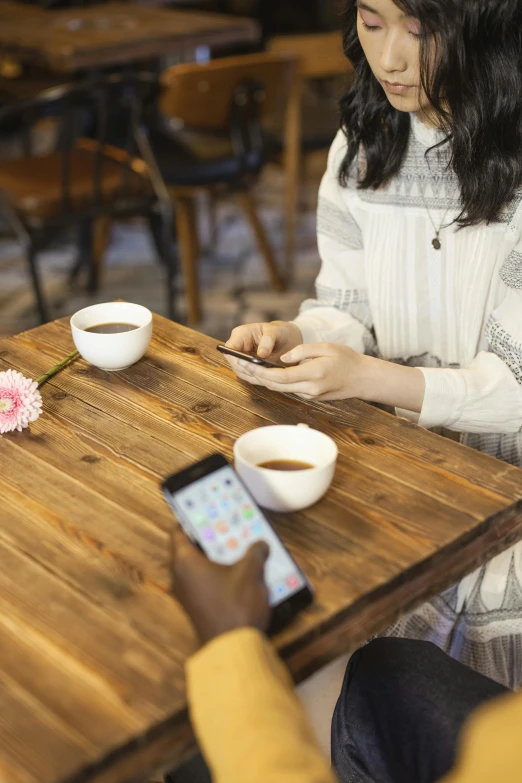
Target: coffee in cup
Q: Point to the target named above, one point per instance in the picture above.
(286, 467)
(112, 336)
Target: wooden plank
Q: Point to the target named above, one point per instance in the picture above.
(81, 701)
(11, 774)
(144, 676)
(106, 581)
(29, 737)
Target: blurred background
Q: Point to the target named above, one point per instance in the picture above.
(167, 152)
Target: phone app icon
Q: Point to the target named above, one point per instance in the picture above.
(222, 527)
(236, 519)
(237, 494)
(225, 505)
(189, 503)
(233, 543)
(257, 529)
(247, 512)
(245, 533)
(279, 590)
(228, 482)
(209, 534)
(215, 488)
(198, 518)
(212, 511)
(292, 582)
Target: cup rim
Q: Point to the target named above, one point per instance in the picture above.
(307, 471)
(106, 304)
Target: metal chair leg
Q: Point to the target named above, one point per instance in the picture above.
(42, 307)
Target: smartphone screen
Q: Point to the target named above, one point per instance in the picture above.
(218, 512)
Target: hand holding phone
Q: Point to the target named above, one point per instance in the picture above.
(219, 515)
(266, 340)
(219, 599)
(247, 357)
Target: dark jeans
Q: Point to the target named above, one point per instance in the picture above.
(402, 706)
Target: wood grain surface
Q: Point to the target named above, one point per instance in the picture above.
(67, 40)
(92, 644)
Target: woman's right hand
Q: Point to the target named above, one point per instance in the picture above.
(268, 341)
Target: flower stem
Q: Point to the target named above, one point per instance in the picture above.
(57, 367)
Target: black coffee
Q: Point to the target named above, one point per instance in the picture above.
(115, 328)
(285, 464)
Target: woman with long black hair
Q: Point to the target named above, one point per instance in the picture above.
(419, 298)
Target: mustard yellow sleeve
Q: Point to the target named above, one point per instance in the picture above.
(250, 725)
(491, 747)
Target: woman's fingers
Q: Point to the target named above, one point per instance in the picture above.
(267, 343)
(308, 351)
(311, 371)
(245, 338)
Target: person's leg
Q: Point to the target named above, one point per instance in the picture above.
(401, 708)
(193, 771)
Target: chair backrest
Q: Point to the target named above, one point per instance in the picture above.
(202, 95)
(101, 120)
(320, 54)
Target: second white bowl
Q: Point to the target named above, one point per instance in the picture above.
(112, 351)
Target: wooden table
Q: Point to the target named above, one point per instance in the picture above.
(92, 644)
(113, 34)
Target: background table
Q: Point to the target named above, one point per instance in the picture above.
(92, 644)
(113, 34)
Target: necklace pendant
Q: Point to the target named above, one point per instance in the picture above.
(436, 243)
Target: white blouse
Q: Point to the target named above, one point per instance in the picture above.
(456, 312)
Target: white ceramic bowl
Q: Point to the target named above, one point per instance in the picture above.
(112, 351)
(279, 490)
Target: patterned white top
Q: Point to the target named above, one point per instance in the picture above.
(456, 312)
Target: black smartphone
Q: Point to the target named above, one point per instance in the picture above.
(247, 357)
(219, 515)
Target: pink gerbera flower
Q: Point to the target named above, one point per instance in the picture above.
(20, 401)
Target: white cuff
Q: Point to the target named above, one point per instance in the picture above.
(444, 398)
(308, 333)
(402, 413)
(322, 325)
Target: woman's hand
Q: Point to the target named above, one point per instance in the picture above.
(328, 372)
(268, 341)
(336, 372)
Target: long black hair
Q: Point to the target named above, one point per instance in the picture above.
(471, 71)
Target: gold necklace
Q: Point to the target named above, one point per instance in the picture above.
(436, 239)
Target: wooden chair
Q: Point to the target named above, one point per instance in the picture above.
(320, 56)
(84, 180)
(219, 109)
